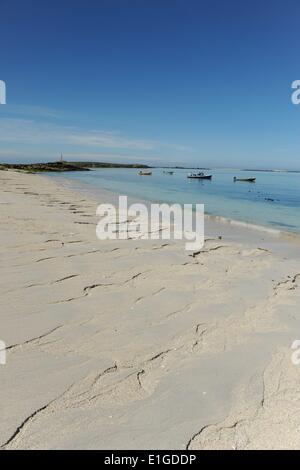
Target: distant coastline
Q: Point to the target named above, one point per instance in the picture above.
(272, 171)
(64, 166)
(61, 166)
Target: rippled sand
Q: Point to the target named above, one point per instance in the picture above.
(138, 344)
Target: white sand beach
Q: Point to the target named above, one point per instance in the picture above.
(130, 344)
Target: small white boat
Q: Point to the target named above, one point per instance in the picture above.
(145, 173)
(199, 176)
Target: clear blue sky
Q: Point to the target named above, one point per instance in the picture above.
(158, 81)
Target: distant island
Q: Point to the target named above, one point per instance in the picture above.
(184, 168)
(272, 171)
(61, 166)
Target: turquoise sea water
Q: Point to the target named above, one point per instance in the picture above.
(273, 201)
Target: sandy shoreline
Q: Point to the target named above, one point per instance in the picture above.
(130, 344)
(280, 241)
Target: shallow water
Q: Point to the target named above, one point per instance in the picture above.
(273, 201)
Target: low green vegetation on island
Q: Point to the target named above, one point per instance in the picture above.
(61, 166)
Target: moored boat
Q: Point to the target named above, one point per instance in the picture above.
(145, 173)
(199, 176)
(245, 180)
